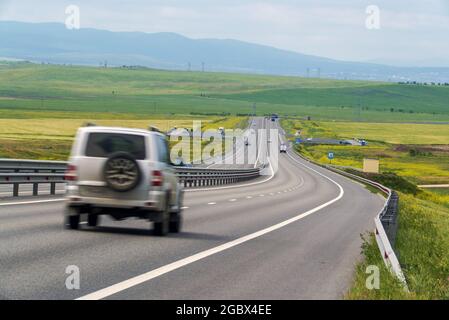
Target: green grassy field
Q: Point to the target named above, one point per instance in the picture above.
(42, 105)
(440, 191)
(40, 139)
(422, 243)
(30, 88)
(426, 161)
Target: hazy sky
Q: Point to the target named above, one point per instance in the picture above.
(412, 32)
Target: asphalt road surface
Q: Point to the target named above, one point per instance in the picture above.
(291, 235)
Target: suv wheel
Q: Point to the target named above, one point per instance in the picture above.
(92, 220)
(161, 228)
(72, 219)
(121, 172)
(175, 222)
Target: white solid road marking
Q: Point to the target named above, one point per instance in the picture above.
(121, 286)
(31, 202)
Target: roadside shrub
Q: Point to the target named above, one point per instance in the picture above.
(390, 180)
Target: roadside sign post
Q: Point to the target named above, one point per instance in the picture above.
(330, 156)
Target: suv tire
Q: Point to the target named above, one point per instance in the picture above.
(71, 218)
(175, 222)
(161, 228)
(121, 172)
(92, 220)
(72, 222)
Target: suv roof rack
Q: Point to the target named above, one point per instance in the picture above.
(154, 129)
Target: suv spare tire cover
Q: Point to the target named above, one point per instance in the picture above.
(121, 172)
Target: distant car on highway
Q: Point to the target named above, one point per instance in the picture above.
(122, 173)
(283, 148)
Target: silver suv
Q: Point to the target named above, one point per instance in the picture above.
(122, 173)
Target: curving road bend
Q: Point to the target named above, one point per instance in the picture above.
(295, 235)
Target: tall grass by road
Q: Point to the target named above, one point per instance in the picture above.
(422, 246)
(422, 241)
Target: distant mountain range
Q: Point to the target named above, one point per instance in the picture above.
(53, 43)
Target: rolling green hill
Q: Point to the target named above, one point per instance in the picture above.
(42, 90)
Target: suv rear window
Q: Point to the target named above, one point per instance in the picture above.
(102, 145)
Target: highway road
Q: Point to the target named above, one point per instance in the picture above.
(293, 235)
(240, 152)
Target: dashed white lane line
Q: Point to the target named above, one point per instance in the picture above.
(184, 208)
(212, 203)
(261, 195)
(232, 200)
(249, 197)
(145, 277)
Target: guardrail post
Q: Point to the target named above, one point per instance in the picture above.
(53, 188)
(15, 190)
(35, 189)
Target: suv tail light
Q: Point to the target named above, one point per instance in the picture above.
(70, 173)
(158, 178)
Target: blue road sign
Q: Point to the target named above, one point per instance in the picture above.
(298, 140)
(330, 155)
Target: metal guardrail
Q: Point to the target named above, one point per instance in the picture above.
(385, 221)
(34, 172)
(196, 177)
(19, 172)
